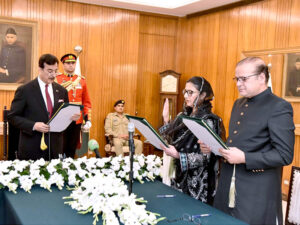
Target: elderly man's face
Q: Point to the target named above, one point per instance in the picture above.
(48, 73)
(11, 38)
(119, 108)
(252, 84)
(297, 64)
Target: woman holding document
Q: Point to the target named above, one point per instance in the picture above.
(196, 173)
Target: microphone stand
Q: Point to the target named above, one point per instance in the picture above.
(131, 148)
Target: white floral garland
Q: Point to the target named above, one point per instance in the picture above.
(99, 186)
(25, 174)
(108, 194)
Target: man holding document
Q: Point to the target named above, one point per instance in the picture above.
(32, 107)
(261, 141)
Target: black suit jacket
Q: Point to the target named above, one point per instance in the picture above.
(27, 108)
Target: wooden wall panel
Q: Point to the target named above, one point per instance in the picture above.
(110, 40)
(156, 53)
(262, 25)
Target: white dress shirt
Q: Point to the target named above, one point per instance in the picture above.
(50, 90)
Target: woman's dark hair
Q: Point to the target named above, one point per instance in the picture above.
(202, 85)
(202, 107)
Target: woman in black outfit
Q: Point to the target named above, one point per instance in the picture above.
(196, 173)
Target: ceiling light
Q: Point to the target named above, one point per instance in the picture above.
(169, 4)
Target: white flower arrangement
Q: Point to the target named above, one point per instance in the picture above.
(108, 195)
(25, 174)
(98, 184)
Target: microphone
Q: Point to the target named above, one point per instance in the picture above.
(131, 147)
(94, 146)
(131, 141)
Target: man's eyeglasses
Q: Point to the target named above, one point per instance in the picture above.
(189, 218)
(188, 92)
(244, 78)
(52, 71)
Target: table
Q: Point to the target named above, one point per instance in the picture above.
(43, 207)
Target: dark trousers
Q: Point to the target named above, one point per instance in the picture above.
(71, 139)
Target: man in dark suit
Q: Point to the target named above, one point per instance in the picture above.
(261, 141)
(31, 108)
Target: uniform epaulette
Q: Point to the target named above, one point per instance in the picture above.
(83, 77)
(59, 73)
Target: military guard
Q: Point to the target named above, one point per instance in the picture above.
(78, 94)
(116, 124)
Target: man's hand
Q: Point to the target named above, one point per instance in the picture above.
(41, 127)
(123, 136)
(75, 116)
(86, 127)
(2, 70)
(205, 149)
(233, 155)
(171, 151)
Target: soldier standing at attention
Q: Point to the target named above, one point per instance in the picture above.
(78, 94)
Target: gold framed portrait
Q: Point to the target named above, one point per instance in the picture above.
(291, 77)
(18, 52)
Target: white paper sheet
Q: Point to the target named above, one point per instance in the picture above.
(63, 118)
(147, 133)
(203, 135)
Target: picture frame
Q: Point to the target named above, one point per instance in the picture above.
(291, 77)
(18, 52)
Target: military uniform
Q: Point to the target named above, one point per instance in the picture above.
(117, 125)
(78, 94)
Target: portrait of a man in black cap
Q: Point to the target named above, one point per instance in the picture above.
(12, 59)
(293, 79)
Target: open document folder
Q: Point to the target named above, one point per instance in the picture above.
(62, 117)
(147, 131)
(204, 133)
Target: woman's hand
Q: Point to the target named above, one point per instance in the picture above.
(204, 148)
(166, 113)
(171, 151)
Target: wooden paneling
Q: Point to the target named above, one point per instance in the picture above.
(210, 45)
(109, 38)
(156, 54)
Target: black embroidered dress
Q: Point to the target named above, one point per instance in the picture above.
(196, 173)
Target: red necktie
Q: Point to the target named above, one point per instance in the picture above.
(49, 102)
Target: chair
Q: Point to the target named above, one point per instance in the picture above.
(293, 203)
(11, 138)
(5, 123)
(110, 149)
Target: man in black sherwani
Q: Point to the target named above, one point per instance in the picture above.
(12, 59)
(261, 141)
